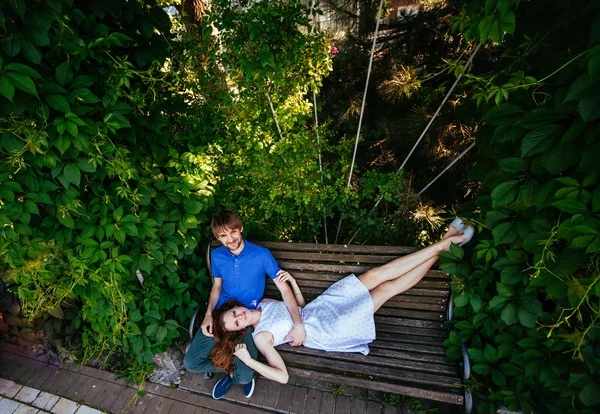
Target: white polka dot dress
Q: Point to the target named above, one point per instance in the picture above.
(340, 320)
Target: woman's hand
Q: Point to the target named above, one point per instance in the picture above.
(241, 351)
(284, 276)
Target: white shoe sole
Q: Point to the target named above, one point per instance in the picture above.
(251, 390)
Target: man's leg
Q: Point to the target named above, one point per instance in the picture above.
(243, 373)
(197, 358)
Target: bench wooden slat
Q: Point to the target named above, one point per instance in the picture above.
(317, 362)
(345, 269)
(418, 349)
(410, 335)
(412, 356)
(334, 277)
(389, 359)
(406, 317)
(325, 284)
(334, 257)
(412, 330)
(338, 248)
(430, 394)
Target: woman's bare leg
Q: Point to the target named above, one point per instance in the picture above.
(398, 267)
(391, 288)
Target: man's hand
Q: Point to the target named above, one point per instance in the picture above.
(298, 334)
(207, 325)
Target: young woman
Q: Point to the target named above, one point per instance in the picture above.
(340, 319)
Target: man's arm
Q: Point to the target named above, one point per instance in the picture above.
(213, 299)
(297, 332)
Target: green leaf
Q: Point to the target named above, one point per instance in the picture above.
(574, 131)
(508, 22)
(476, 303)
(596, 201)
(504, 233)
(499, 378)
(161, 333)
(456, 251)
(505, 193)
(65, 219)
(31, 52)
(461, 300)
(145, 263)
(84, 165)
(511, 275)
(594, 62)
(483, 369)
(86, 96)
(526, 318)
(57, 312)
(509, 314)
(64, 74)
(590, 394)
(58, 102)
(504, 291)
(579, 87)
(152, 314)
(22, 82)
(151, 329)
(192, 206)
(512, 165)
(589, 109)
(12, 44)
(570, 206)
(502, 113)
(6, 88)
(72, 174)
(496, 301)
(539, 140)
(540, 117)
(22, 69)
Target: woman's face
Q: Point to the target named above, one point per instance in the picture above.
(236, 319)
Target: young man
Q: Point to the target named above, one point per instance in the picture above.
(238, 268)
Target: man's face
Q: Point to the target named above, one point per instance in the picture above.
(231, 238)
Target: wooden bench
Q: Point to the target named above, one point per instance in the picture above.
(407, 357)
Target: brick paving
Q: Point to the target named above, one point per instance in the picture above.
(31, 384)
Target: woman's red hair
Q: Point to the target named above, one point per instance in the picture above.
(222, 354)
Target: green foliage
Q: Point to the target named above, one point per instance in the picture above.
(528, 292)
(104, 173)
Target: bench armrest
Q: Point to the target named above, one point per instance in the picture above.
(466, 362)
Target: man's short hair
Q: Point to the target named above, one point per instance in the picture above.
(225, 220)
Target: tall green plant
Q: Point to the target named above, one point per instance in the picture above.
(528, 294)
(105, 181)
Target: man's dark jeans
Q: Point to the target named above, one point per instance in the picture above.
(197, 357)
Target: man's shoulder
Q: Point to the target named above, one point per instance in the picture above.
(220, 251)
(255, 248)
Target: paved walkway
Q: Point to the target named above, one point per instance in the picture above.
(33, 384)
(20, 399)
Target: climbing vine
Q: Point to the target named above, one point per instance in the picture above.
(105, 182)
(527, 293)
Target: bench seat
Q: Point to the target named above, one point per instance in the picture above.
(407, 357)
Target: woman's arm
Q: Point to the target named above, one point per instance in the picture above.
(283, 276)
(275, 370)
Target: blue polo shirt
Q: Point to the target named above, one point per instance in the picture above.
(243, 275)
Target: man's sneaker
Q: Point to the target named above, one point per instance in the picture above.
(249, 389)
(208, 375)
(221, 387)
